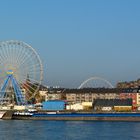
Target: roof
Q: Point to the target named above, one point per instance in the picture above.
(94, 90)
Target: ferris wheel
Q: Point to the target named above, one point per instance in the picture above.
(20, 70)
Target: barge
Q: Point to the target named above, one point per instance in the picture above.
(78, 116)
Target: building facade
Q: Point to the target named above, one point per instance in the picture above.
(89, 95)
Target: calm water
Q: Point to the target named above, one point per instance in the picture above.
(69, 130)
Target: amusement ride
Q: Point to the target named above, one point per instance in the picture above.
(21, 72)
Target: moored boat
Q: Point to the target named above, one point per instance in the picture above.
(112, 116)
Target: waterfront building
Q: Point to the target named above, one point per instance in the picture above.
(51, 93)
(77, 106)
(53, 96)
(138, 99)
(112, 104)
(44, 94)
(54, 105)
(130, 95)
(89, 95)
(75, 96)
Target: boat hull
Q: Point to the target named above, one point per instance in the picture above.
(82, 116)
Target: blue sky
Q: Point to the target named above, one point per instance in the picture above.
(77, 39)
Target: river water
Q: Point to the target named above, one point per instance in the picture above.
(68, 130)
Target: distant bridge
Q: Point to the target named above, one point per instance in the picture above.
(95, 78)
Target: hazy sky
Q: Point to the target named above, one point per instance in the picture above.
(77, 39)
